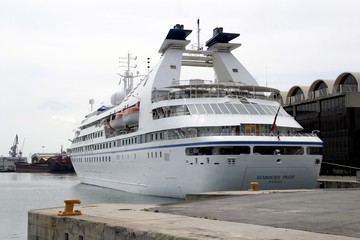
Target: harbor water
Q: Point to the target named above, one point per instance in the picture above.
(21, 192)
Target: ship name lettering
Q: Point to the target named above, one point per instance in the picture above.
(288, 177)
(268, 177)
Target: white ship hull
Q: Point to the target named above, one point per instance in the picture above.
(163, 169)
(195, 137)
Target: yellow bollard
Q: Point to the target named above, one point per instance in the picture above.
(69, 208)
(253, 186)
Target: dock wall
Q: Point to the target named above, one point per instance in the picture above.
(43, 226)
(137, 222)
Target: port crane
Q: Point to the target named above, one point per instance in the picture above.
(14, 151)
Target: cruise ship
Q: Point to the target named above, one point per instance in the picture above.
(168, 136)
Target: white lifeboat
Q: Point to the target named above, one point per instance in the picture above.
(127, 117)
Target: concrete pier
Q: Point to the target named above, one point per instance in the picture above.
(317, 214)
(339, 181)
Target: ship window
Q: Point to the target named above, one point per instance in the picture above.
(219, 150)
(251, 109)
(314, 150)
(172, 66)
(231, 161)
(259, 109)
(192, 109)
(267, 110)
(208, 109)
(155, 154)
(160, 154)
(279, 150)
(232, 150)
(231, 108)
(152, 154)
(200, 108)
(272, 109)
(223, 108)
(216, 108)
(235, 70)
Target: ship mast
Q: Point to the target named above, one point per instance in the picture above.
(198, 35)
(127, 76)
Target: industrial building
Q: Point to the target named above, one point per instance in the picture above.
(331, 108)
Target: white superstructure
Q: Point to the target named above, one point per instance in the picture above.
(171, 136)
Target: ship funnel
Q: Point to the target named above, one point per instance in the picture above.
(178, 33)
(220, 37)
(217, 30)
(178, 26)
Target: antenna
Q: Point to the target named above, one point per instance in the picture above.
(198, 35)
(266, 76)
(128, 76)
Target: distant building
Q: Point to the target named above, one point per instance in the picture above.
(42, 157)
(331, 107)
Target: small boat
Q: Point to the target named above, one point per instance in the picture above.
(57, 164)
(31, 167)
(126, 117)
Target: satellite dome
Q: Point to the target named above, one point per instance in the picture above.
(116, 98)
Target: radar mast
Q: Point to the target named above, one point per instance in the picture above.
(128, 75)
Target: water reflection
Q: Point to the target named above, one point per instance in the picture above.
(21, 192)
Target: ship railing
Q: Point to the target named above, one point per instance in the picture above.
(159, 98)
(179, 134)
(203, 91)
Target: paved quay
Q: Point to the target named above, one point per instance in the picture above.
(323, 211)
(267, 215)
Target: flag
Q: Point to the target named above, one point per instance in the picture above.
(272, 128)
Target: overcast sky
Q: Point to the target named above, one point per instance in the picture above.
(56, 55)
